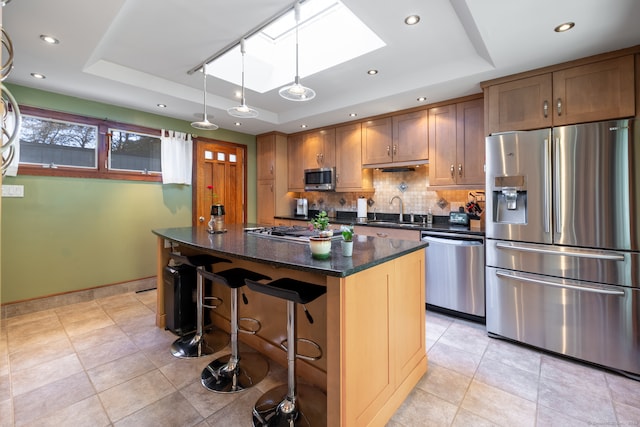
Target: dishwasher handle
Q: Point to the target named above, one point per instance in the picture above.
(453, 242)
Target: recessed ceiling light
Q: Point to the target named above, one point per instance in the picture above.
(162, 105)
(353, 114)
(303, 126)
(372, 72)
(49, 39)
(38, 76)
(422, 98)
(564, 27)
(412, 19)
(238, 124)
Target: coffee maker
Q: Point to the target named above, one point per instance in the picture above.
(302, 207)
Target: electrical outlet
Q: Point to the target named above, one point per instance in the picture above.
(12, 190)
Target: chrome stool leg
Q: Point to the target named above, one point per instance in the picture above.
(291, 404)
(235, 372)
(198, 343)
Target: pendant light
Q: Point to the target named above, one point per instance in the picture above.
(297, 92)
(243, 110)
(204, 124)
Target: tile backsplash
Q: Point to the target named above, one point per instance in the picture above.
(410, 186)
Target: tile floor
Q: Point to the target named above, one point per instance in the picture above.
(104, 363)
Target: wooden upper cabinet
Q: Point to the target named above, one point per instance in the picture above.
(349, 173)
(266, 156)
(295, 163)
(410, 136)
(442, 145)
(456, 144)
(520, 104)
(470, 143)
(599, 91)
(272, 185)
(400, 139)
(377, 141)
(319, 149)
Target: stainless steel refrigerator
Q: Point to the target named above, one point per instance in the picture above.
(563, 241)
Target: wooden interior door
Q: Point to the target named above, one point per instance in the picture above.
(223, 166)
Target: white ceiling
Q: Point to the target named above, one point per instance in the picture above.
(136, 53)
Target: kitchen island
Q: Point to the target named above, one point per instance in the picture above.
(370, 323)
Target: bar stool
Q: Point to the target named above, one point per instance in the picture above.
(235, 372)
(291, 404)
(197, 344)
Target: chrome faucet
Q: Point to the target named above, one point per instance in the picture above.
(400, 201)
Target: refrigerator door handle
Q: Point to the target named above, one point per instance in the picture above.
(584, 253)
(558, 185)
(546, 282)
(546, 212)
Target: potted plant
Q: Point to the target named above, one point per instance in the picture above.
(320, 245)
(321, 224)
(347, 240)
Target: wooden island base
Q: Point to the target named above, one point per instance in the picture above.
(370, 326)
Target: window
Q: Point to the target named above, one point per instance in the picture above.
(130, 151)
(61, 144)
(53, 143)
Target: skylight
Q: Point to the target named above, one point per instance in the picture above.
(329, 34)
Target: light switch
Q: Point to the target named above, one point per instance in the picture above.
(13, 191)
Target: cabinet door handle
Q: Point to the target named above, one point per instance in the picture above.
(395, 149)
(337, 178)
(201, 219)
(321, 158)
(271, 169)
(545, 108)
(460, 170)
(559, 105)
(452, 170)
(388, 151)
(382, 235)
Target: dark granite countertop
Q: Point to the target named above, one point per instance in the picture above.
(367, 251)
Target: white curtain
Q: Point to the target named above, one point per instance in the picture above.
(176, 157)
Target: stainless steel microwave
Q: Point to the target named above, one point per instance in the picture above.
(320, 179)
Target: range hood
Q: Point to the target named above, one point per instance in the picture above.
(397, 166)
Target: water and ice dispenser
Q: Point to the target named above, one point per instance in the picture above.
(509, 200)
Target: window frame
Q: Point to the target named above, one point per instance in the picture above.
(102, 171)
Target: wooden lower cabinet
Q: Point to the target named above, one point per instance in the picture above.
(380, 350)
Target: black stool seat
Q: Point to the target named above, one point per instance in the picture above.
(234, 277)
(289, 289)
(197, 260)
(235, 372)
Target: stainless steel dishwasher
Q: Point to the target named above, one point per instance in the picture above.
(455, 273)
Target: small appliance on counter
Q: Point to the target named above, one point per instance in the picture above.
(302, 208)
(459, 218)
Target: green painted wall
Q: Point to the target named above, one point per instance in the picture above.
(69, 234)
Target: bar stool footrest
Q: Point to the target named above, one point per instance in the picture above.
(246, 330)
(283, 345)
(218, 302)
